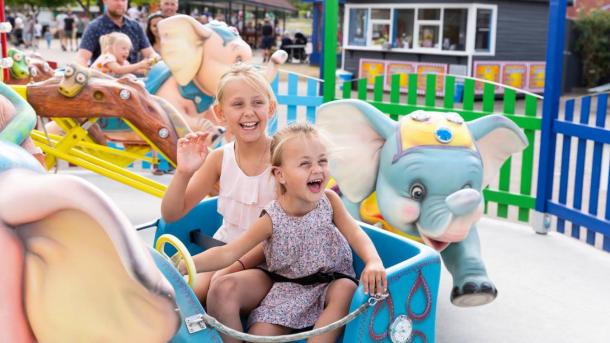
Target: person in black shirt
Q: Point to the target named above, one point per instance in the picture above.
(268, 40)
(69, 26)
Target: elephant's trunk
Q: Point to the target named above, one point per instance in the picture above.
(450, 220)
(20, 126)
(463, 201)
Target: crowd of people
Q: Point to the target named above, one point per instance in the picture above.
(70, 28)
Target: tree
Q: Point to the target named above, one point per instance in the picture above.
(592, 44)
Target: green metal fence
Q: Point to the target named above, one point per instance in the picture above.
(514, 188)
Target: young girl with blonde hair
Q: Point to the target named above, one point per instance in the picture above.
(244, 104)
(115, 48)
(307, 234)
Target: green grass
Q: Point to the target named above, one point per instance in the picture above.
(299, 24)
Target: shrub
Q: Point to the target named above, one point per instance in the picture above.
(593, 46)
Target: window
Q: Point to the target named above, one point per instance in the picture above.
(357, 26)
(380, 27)
(428, 36)
(429, 24)
(447, 29)
(380, 34)
(380, 14)
(483, 30)
(454, 29)
(404, 19)
(429, 14)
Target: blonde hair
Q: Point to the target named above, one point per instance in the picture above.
(282, 136)
(246, 73)
(108, 40)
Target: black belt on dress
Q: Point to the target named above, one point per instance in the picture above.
(313, 279)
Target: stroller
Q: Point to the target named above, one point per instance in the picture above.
(299, 53)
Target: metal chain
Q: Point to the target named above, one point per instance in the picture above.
(213, 322)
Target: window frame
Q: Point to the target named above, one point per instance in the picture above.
(417, 23)
(492, 28)
(346, 22)
(371, 22)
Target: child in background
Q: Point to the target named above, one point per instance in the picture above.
(245, 102)
(307, 234)
(115, 48)
(48, 35)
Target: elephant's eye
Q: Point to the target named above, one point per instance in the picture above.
(417, 191)
(69, 71)
(466, 186)
(238, 59)
(81, 78)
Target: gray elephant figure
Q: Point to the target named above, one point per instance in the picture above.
(428, 171)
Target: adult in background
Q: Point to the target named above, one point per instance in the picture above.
(70, 30)
(60, 29)
(133, 12)
(18, 31)
(268, 40)
(168, 7)
(114, 20)
(152, 32)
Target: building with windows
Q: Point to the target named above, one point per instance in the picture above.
(499, 40)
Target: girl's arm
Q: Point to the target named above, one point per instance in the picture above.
(220, 257)
(373, 277)
(116, 68)
(186, 189)
(252, 259)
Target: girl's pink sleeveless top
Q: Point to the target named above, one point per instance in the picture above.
(242, 197)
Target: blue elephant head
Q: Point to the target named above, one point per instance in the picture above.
(428, 171)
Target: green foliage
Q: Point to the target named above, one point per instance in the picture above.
(593, 45)
(301, 6)
(39, 3)
(143, 2)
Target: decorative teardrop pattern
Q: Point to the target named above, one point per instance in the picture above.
(420, 283)
(384, 334)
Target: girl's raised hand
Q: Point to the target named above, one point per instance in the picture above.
(192, 151)
(374, 279)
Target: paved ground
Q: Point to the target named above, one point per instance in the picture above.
(551, 288)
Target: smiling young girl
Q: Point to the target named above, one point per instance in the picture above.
(115, 51)
(245, 102)
(307, 234)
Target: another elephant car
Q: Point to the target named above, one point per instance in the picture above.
(428, 171)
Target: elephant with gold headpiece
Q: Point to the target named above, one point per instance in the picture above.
(428, 171)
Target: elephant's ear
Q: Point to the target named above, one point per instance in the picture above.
(357, 131)
(182, 39)
(497, 138)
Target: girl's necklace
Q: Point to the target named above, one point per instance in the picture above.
(260, 158)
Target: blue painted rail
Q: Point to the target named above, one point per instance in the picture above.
(580, 200)
(294, 102)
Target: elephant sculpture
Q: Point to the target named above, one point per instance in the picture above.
(195, 56)
(427, 172)
(73, 268)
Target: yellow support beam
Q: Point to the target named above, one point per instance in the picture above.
(121, 175)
